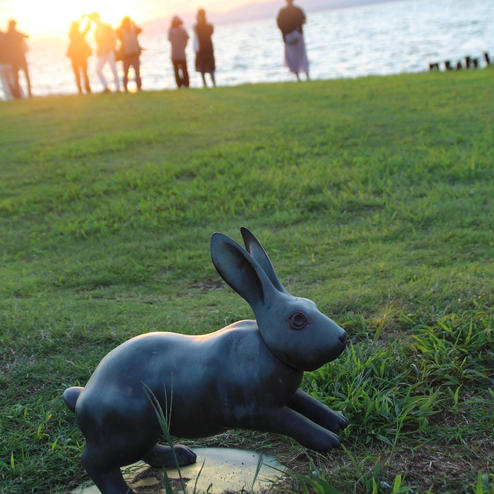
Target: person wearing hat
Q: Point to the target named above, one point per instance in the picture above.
(178, 38)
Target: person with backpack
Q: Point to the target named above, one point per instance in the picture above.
(290, 21)
(178, 38)
(130, 51)
(106, 41)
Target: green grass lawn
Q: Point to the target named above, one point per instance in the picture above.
(372, 196)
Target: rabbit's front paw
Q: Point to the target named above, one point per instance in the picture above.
(327, 443)
(320, 440)
(339, 422)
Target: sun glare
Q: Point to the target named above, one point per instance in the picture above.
(52, 18)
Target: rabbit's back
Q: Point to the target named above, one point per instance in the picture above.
(210, 382)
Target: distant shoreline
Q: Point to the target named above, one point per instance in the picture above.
(245, 13)
(315, 82)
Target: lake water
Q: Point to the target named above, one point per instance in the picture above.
(382, 38)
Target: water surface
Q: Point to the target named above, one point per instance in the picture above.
(383, 38)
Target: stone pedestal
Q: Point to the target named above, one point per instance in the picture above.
(223, 470)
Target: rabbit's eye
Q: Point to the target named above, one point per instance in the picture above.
(298, 320)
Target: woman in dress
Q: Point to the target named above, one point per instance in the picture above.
(78, 52)
(205, 63)
(290, 21)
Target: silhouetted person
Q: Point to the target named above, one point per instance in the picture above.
(205, 62)
(6, 73)
(290, 21)
(78, 52)
(130, 50)
(487, 58)
(17, 48)
(106, 41)
(178, 38)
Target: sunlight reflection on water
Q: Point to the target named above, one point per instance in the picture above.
(386, 38)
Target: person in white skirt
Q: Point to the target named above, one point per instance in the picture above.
(290, 21)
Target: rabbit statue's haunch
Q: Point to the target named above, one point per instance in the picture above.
(246, 375)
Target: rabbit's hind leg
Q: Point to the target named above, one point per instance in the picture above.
(164, 456)
(109, 479)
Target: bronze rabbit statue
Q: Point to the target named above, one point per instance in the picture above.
(246, 375)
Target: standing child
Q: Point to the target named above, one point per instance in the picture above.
(178, 38)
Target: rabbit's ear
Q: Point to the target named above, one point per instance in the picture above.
(240, 270)
(256, 250)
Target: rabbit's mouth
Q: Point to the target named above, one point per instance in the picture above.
(317, 359)
(333, 353)
(343, 339)
(342, 342)
(338, 350)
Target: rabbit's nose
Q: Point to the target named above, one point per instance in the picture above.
(343, 338)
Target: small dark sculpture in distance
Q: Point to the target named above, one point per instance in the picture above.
(433, 66)
(246, 375)
(487, 58)
(447, 65)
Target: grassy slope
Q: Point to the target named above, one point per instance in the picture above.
(372, 196)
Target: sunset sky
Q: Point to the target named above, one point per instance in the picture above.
(51, 18)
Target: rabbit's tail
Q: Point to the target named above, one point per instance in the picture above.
(71, 395)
